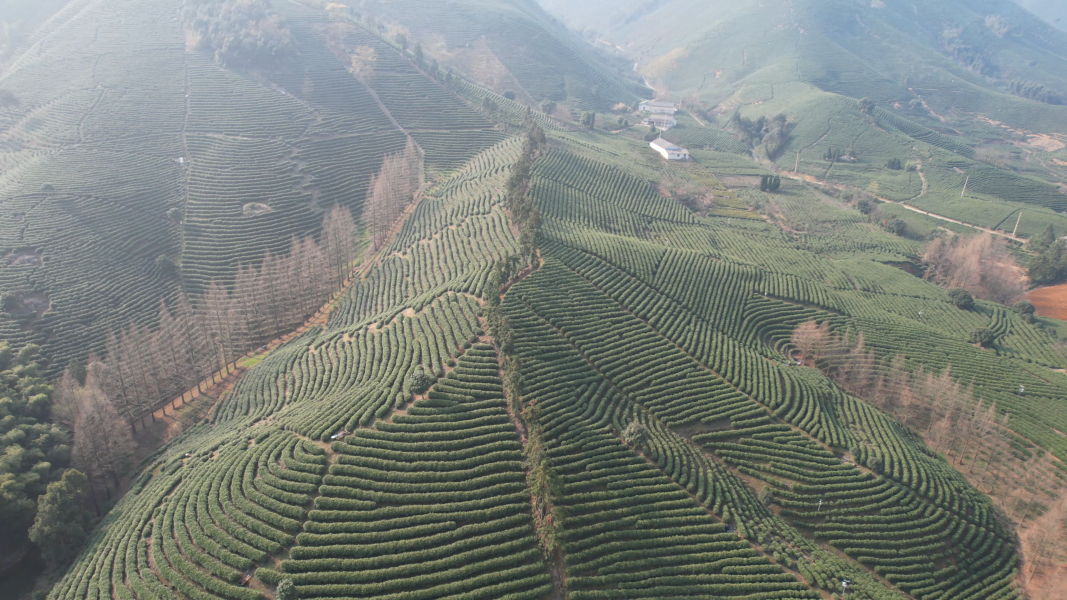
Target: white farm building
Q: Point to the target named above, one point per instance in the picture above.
(661, 121)
(668, 150)
(658, 108)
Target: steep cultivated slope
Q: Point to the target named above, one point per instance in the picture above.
(636, 311)
(126, 152)
(512, 46)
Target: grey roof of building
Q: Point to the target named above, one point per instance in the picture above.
(665, 145)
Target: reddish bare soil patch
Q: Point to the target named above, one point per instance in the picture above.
(1050, 301)
(1044, 571)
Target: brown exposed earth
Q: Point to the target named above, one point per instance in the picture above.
(1050, 301)
(1044, 571)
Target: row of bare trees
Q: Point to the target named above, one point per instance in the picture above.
(974, 437)
(980, 264)
(144, 368)
(391, 191)
(938, 405)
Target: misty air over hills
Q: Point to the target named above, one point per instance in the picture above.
(546, 300)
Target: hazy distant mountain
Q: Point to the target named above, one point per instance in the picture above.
(891, 52)
(1053, 11)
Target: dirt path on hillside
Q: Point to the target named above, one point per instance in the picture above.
(817, 181)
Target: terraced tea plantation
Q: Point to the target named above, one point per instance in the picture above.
(382, 456)
(570, 370)
(127, 152)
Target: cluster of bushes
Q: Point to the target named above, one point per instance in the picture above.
(1049, 264)
(836, 155)
(966, 55)
(33, 450)
(769, 183)
(242, 33)
(764, 136)
(1034, 91)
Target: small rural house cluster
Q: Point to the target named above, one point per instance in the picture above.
(668, 150)
(660, 121)
(658, 108)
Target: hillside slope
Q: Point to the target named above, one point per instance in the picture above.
(125, 152)
(889, 52)
(967, 94)
(570, 369)
(1049, 10)
(700, 313)
(511, 46)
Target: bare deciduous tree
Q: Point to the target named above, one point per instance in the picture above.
(391, 191)
(144, 369)
(981, 264)
(103, 445)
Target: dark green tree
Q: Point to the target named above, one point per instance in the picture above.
(767, 136)
(286, 590)
(636, 435)
(874, 463)
(62, 523)
(402, 41)
(766, 496)
(1049, 266)
(1040, 242)
(983, 336)
(589, 120)
(1024, 307)
(961, 298)
(166, 264)
(895, 226)
(8, 301)
(418, 381)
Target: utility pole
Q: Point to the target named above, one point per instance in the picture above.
(965, 182)
(1017, 224)
(797, 167)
